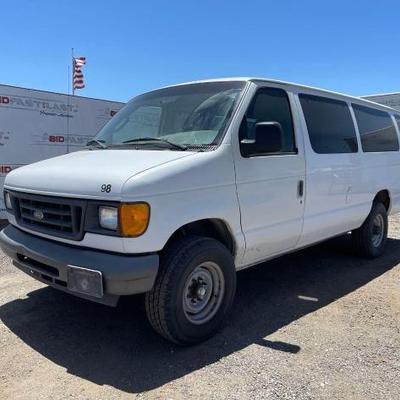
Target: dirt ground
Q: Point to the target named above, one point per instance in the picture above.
(318, 324)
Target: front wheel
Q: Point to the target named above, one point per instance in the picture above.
(370, 239)
(194, 290)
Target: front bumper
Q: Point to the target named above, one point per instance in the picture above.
(47, 261)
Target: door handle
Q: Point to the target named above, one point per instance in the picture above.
(300, 188)
(348, 194)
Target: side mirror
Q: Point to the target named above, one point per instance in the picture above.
(268, 139)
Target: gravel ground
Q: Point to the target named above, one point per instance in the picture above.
(318, 324)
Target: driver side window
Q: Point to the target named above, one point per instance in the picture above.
(270, 105)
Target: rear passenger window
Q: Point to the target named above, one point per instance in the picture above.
(329, 125)
(398, 121)
(376, 129)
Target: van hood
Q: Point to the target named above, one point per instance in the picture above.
(83, 173)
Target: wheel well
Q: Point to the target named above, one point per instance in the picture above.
(384, 198)
(212, 228)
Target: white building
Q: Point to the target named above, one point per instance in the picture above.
(388, 99)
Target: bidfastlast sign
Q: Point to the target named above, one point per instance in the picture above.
(35, 125)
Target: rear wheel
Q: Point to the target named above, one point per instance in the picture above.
(194, 290)
(370, 239)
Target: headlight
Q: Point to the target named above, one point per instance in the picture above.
(7, 200)
(108, 217)
(133, 219)
(130, 220)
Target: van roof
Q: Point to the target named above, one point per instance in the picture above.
(286, 83)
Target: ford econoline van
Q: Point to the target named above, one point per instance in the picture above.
(190, 183)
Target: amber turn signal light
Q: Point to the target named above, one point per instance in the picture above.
(133, 219)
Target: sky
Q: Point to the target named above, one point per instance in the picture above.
(135, 46)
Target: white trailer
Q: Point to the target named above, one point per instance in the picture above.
(35, 125)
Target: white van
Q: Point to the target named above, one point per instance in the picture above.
(190, 183)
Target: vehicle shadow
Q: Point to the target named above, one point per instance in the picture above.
(117, 346)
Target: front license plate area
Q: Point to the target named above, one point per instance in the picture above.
(85, 281)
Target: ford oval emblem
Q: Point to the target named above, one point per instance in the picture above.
(38, 214)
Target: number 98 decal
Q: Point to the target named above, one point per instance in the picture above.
(105, 188)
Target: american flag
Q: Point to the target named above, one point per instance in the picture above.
(78, 63)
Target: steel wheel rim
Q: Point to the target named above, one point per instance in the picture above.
(203, 292)
(378, 228)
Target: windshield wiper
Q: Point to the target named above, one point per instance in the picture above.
(95, 142)
(159, 140)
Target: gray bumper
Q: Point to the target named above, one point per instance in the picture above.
(47, 261)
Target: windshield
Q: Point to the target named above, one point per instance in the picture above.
(180, 117)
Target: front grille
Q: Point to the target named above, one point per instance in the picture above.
(55, 216)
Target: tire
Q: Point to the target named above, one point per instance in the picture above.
(370, 239)
(193, 292)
